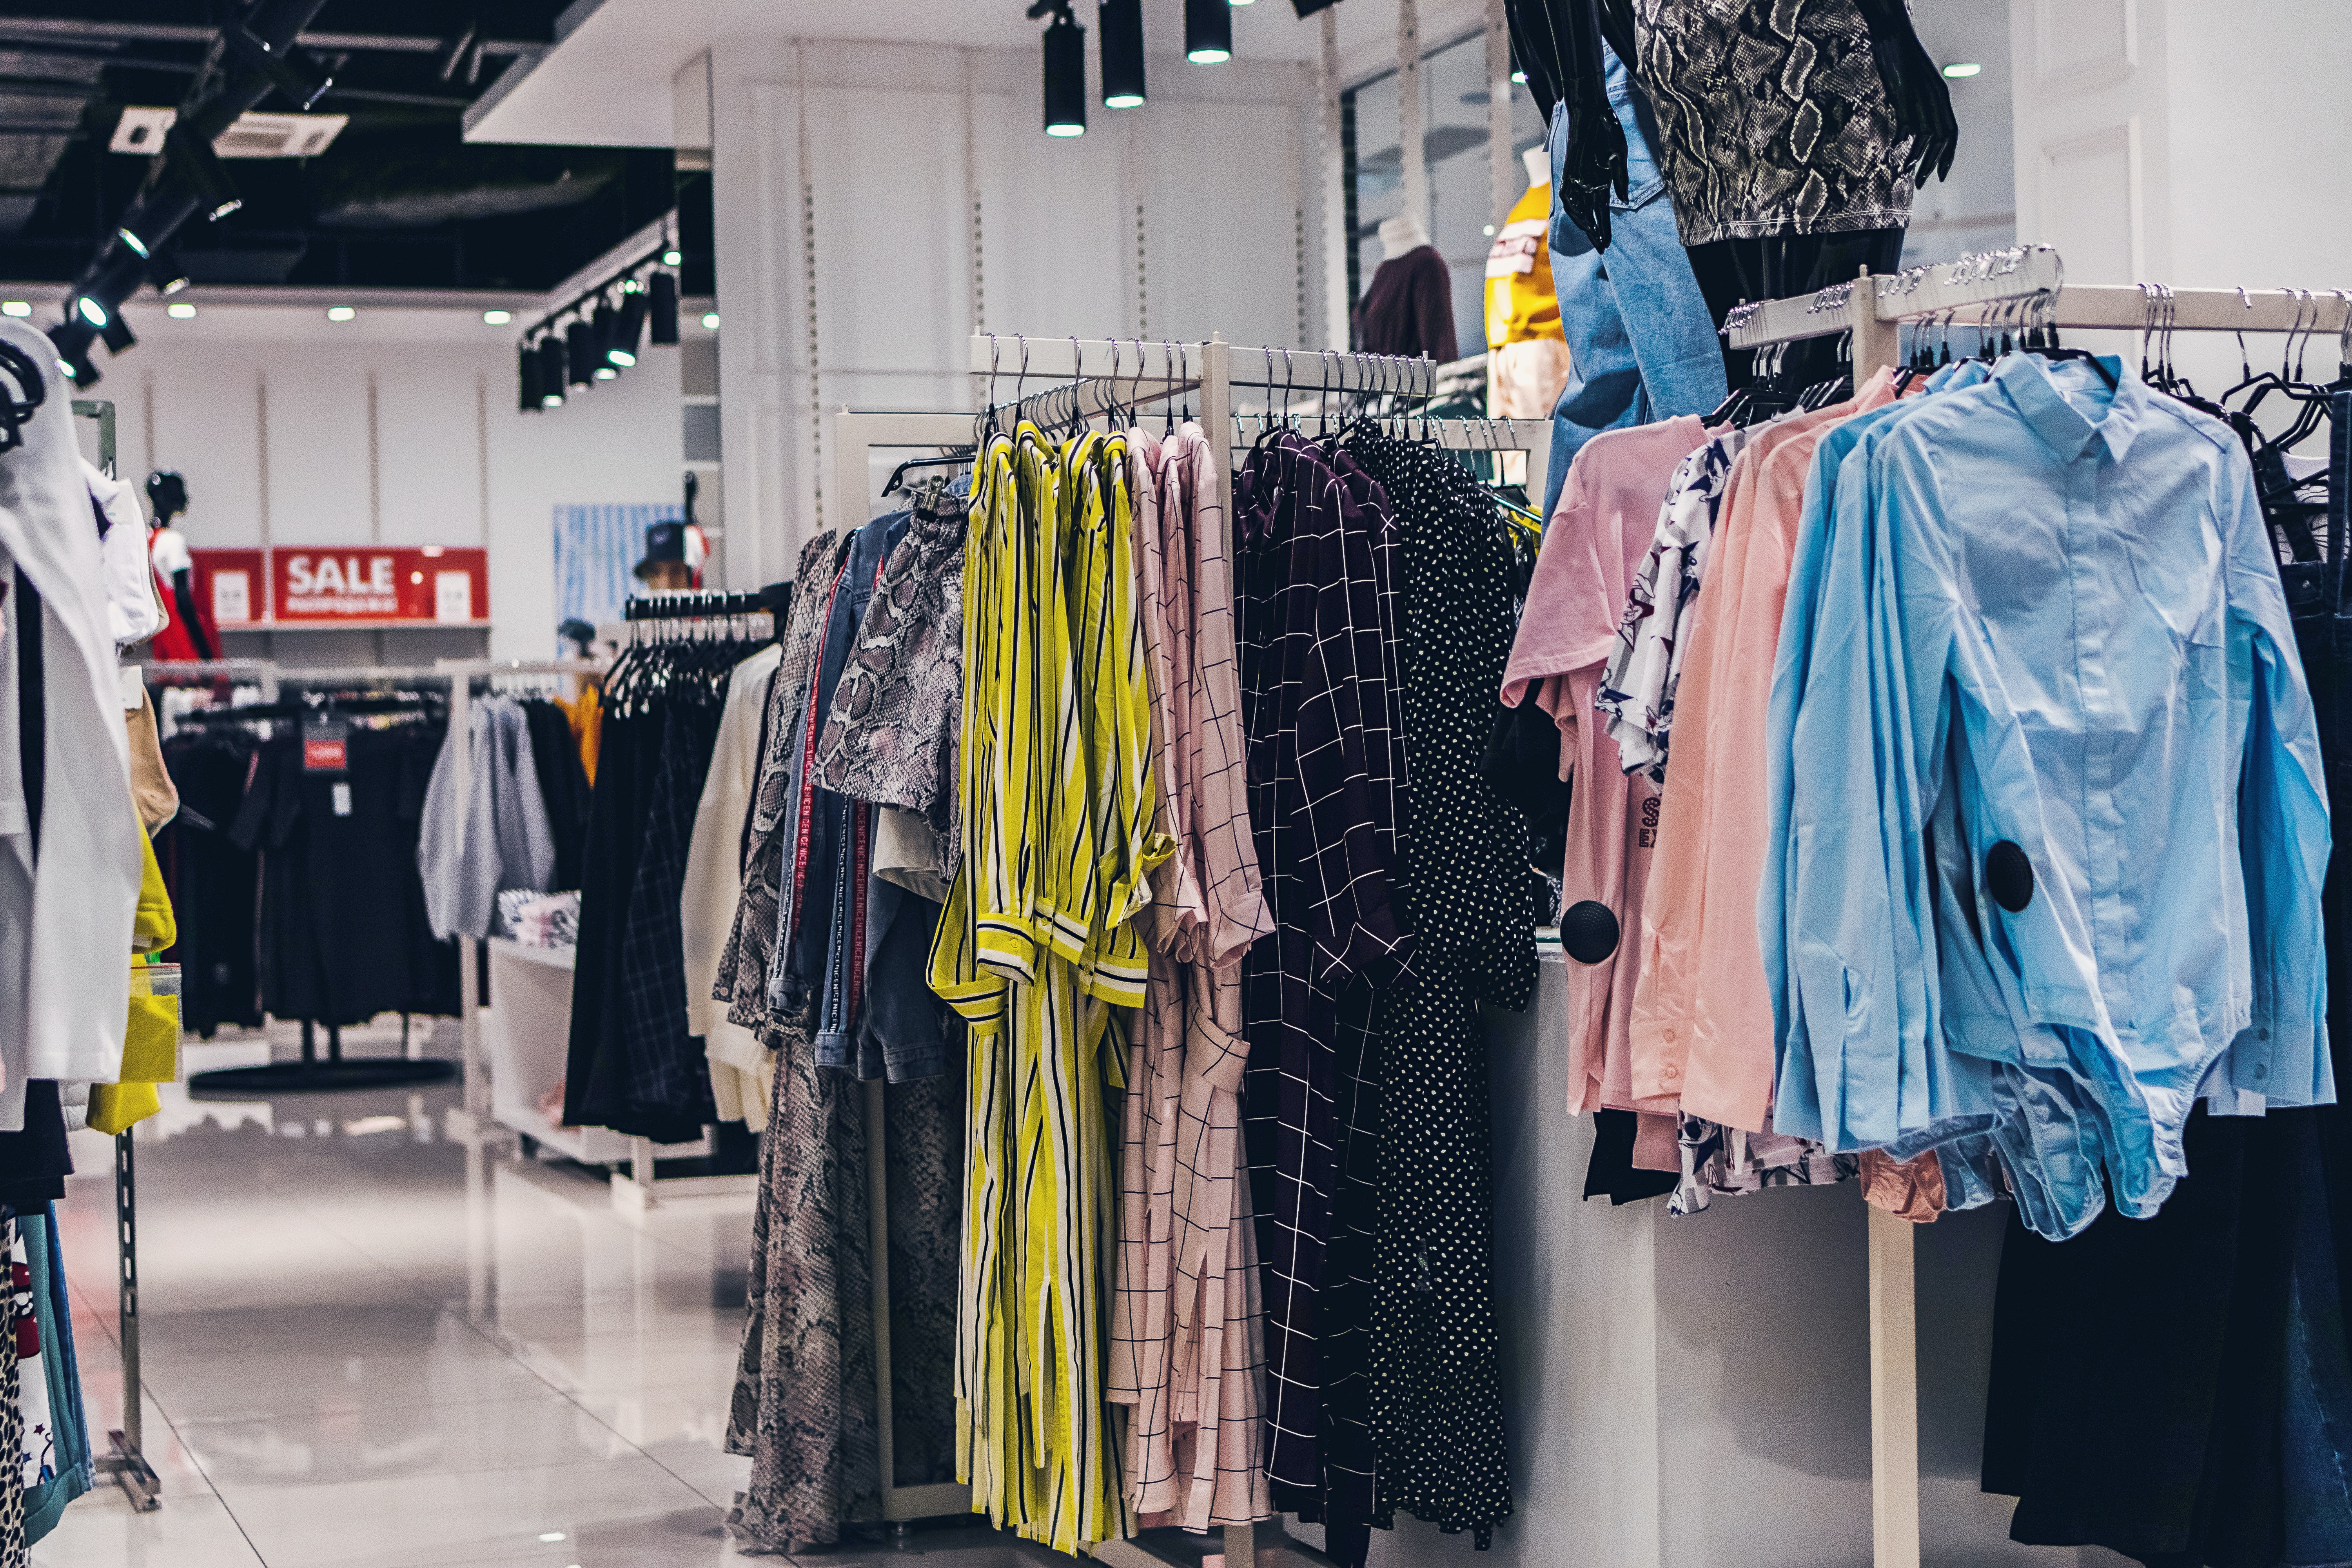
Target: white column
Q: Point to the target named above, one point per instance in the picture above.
(1330, 184)
(1412, 119)
(1502, 169)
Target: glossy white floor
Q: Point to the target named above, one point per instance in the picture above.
(370, 1347)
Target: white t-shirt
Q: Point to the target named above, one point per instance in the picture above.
(132, 614)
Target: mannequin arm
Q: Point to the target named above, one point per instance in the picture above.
(1916, 89)
(183, 602)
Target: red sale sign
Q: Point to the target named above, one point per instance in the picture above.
(233, 585)
(426, 583)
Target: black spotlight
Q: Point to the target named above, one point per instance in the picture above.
(72, 338)
(551, 372)
(527, 378)
(1122, 53)
(628, 330)
(193, 158)
(605, 326)
(1066, 76)
(292, 71)
(661, 293)
(581, 354)
(1208, 32)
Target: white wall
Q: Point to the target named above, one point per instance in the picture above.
(2188, 143)
(938, 206)
(266, 411)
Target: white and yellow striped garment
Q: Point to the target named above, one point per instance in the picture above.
(1035, 947)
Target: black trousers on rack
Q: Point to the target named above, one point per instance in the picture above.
(2180, 1389)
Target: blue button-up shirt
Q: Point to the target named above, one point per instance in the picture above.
(2039, 612)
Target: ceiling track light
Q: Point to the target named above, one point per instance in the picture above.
(1208, 32)
(193, 158)
(1065, 72)
(628, 330)
(581, 352)
(661, 307)
(1121, 25)
(528, 391)
(553, 374)
(71, 338)
(291, 71)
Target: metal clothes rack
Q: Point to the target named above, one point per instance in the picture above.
(642, 1186)
(1875, 308)
(125, 1459)
(336, 1072)
(1086, 379)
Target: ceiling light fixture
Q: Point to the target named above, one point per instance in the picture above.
(710, 321)
(672, 258)
(17, 308)
(1066, 71)
(1121, 22)
(93, 312)
(528, 391)
(551, 376)
(1959, 69)
(661, 307)
(497, 318)
(1208, 32)
(341, 313)
(581, 352)
(192, 157)
(180, 311)
(628, 331)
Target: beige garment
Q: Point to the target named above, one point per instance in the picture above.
(743, 1071)
(1702, 1013)
(1909, 1189)
(1188, 1332)
(151, 789)
(907, 851)
(1524, 379)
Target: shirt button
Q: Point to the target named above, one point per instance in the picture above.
(2261, 1034)
(1670, 1035)
(1671, 1073)
(2261, 1072)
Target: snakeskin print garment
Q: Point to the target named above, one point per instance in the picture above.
(742, 981)
(1771, 118)
(890, 736)
(806, 1407)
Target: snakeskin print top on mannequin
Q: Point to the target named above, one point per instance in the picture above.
(1772, 118)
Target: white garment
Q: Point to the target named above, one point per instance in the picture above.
(132, 612)
(502, 841)
(66, 909)
(742, 1070)
(167, 548)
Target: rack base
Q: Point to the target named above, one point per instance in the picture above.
(317, 1077)
(132, 1473)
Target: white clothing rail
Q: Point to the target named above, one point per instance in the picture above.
(641, 1187)
(1874, 308)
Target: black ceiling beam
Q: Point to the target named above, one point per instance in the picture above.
(43, 29)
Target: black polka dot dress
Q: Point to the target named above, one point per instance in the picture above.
(1436, 1397)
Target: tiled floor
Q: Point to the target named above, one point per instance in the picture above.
(367, 1346)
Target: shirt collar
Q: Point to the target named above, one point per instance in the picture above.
(2032, 389)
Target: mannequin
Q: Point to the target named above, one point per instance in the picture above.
(1527, 352)
(191, 634)
(1400, 235)
(1409, 307)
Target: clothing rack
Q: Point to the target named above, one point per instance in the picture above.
(697, 605)
(1101, 374)
(336, 1073)
(1875, 308)
(125, 1459)
(642, 1187)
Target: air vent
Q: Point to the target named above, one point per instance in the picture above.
(140, 131)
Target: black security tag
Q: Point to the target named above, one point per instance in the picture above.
(2009, 875)
(1588, 932)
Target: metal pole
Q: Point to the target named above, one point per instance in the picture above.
(125, 1461)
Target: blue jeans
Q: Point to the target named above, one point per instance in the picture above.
(1641, 343)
